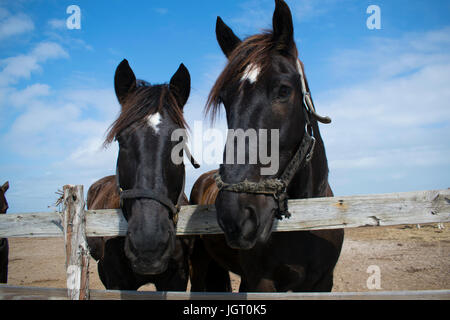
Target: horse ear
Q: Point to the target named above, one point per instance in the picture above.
(228, 41)
(283, 29)
(5, 186)
(180, 85)
(124, 80)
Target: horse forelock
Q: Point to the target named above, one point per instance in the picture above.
(248, 61)
(142, 104)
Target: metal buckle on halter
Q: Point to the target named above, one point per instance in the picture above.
(305, 103)
(310, 153)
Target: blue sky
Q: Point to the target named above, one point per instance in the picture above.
(386, 90)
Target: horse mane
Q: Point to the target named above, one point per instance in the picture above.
(144, 101)
(258, 50)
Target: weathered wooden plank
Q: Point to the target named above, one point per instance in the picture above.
(77, 252)
(307, 214)
(38, 224)
(8, 292)
(368, 210)
(161, 295)
(106, 223)
(37, 293)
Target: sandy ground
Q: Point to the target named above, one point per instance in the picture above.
(407, 259)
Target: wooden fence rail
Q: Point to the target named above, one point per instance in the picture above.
(307, 214)
(76, 223)
(34, 293)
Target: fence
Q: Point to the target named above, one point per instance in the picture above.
(76, 223)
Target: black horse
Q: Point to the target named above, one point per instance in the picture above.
(263, 86)
(148, 186)
(4, 247)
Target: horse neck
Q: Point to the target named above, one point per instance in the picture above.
(312, 180)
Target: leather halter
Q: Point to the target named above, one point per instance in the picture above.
(277, 187)
(153, 194)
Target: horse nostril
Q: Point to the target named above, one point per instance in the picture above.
(250, 223)
(250, 213)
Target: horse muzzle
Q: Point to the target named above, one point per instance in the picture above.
(149, 268)
(245, 218)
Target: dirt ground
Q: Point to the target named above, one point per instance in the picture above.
(407, 258)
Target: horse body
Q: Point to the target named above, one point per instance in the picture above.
(4, 246)
(148, 187)
(102, 194)
(299, 261)
(263, 86)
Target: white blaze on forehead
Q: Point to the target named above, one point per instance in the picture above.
(251, 73)
(153, 121)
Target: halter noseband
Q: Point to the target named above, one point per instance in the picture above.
(153, 195)
(277, 187)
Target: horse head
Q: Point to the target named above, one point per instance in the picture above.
(262, 87)
(3, 202)
(151, 185)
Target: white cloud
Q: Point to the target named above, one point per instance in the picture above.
(61, 134)
(396, 122)
(305, 10)
(161, 11)
(57, 23)
(23, 65)
(390, 57)
(29, 94)
(91, 155)
(12, 25)
(74, 115)
(18, 67)
(256, 15)
(48, 50)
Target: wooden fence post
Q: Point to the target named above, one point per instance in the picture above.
(77, 252)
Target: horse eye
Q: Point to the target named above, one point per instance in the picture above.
(284, 92)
